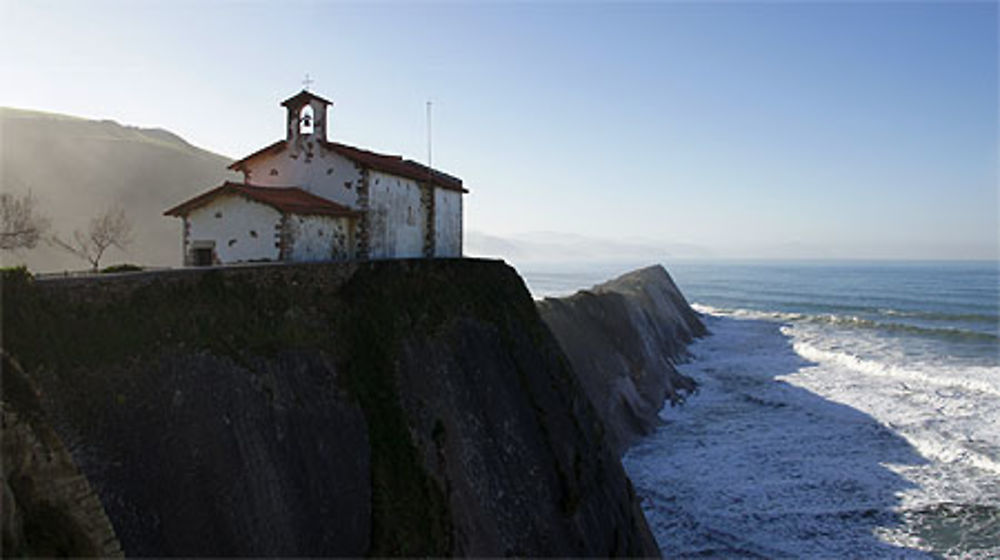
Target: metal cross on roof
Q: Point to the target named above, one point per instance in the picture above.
(307, 82)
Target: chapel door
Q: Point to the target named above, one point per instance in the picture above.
(202, 256)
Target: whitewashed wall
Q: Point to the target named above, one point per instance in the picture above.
(398, 220)
(326, 174)
(447, 223)
(244, 230)
(319, 238)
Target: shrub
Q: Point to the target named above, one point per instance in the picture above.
(121, 268)
(12, 273)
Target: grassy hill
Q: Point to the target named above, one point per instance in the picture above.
(78, 167)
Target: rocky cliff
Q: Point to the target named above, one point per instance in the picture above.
(389, 408)
(49, 508)
(622, 339)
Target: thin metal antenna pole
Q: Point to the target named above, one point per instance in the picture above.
(429, 161)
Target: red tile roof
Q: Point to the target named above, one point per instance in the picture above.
(291, 200)
(277, 147)
(391, 164)
(396, 165)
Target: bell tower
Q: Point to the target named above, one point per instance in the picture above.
(306, 117)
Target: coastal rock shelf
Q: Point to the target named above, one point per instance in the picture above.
(416, 408)
(622, 338)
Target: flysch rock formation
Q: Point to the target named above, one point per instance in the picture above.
(392, 408)
(49, 508)
(622, 338)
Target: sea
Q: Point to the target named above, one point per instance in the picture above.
(844, 410)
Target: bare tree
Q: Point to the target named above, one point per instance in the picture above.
(21, 225)
(110, 228)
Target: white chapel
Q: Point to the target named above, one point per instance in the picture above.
(306, 198)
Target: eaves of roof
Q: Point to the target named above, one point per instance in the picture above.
(289, 200)
(392, 164)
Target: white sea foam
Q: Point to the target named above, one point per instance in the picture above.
(971, 378)
(948, 411)
(807, 439)
(746, 313)
(856, 321)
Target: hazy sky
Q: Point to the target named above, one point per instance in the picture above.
(770, 129)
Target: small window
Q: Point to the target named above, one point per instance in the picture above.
(253, 233)
(329, 171)
(218, 214)
(320, 233)
(274, 172)
(232, 242)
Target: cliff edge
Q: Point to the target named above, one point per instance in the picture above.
(622, 338)
(416, 408)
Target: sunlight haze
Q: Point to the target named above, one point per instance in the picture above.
(777, 130)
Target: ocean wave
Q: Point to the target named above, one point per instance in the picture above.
(934, 384)
(810, 307)
(854, 321)
(706, 309)
(972, 378)
(804, 469)
(940, 316)
(948, 450)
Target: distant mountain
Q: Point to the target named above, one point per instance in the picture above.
(555, 248)
(78, 167)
